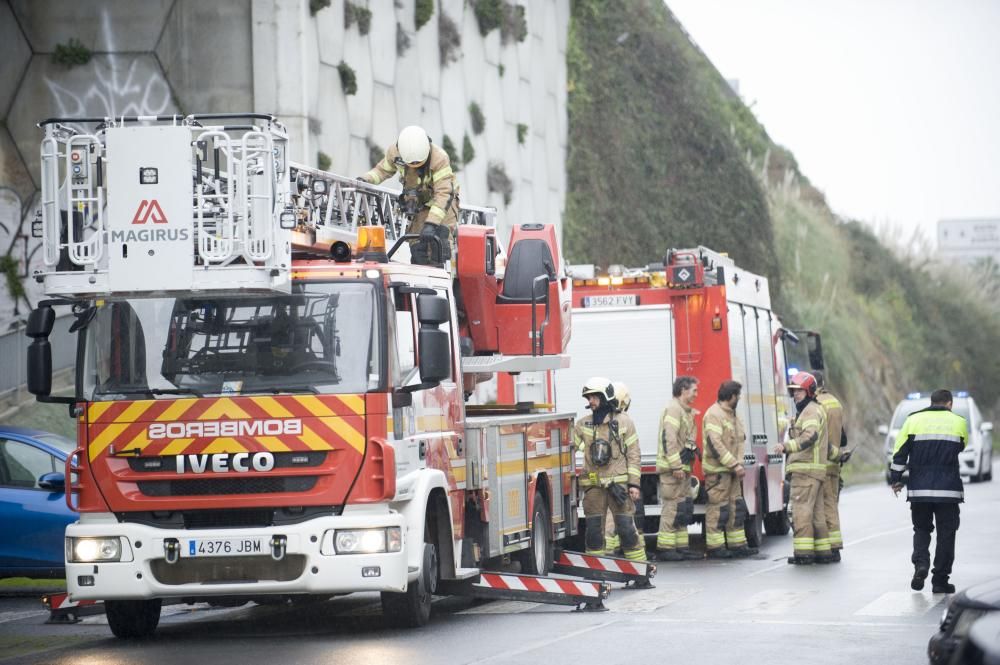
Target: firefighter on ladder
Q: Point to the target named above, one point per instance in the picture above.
(722, 437)
(611, 470)
(807, 448)
(838, 456)
(612, 543)
(675, 453)
(430, 193)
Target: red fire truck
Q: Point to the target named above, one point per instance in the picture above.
(270, 400)
(695, 314)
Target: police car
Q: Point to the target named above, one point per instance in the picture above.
(976, 461)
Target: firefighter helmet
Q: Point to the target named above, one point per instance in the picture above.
(622, 395)
(600, 452)
(598, 385)
(413, 145)
(803, 381)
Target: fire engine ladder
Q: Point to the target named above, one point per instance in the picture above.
(633, 574)
(585, 595)
(327, 208)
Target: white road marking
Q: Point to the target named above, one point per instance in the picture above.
(786, 622)
(900, 604)
(502, 607)
(6, 617)
(772, 601)
(646, 601)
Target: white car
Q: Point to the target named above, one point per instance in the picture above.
(976, 461)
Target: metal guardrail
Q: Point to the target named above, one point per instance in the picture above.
(14, 353)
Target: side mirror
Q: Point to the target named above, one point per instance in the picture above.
(53, 481)
(435, 355)
(883, 429)
(986, 427)
(432, 310)
(40, 323)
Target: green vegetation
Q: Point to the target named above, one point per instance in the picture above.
(402, 40)
(663, 154)
(522, 133)
(489, 15)
(468, 152)
(422, 12)
(477, 118)
(515, 25)
(316, 5)
(501, 69)
(652, 163)
(453, 156)
(497, 181)
(323, 161)
(357, 14)
(47, 417)
(449, 39)
(10, 268)
(71, 54)
(348, 80)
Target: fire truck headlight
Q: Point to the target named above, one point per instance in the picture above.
(367, 541)
(86, 550)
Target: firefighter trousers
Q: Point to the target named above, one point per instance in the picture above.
(611, 540)
(811, 538)
(723, 519)
(677, 512)
(597, 501)
(831, 501)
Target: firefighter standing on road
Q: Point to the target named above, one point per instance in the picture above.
(929, 443)
(611, 470)
(807, 449)
(430, 192)
(723, 436)
(612, 543)
(839, 454)
(675, 453)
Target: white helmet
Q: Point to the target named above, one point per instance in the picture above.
(598, 385)
(413, 145)
(622, 395)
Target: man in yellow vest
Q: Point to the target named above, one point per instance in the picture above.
(808, 452)
(430, 192)
(611, 470)
(675, 453)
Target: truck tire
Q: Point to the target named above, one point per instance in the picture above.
(132, 619)
(412, 608)
(537, 559)
(777, 524)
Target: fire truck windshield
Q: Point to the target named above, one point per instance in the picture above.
(322, 338)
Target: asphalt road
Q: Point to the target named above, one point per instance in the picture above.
(758, 610)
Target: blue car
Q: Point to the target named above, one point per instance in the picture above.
(33, 507)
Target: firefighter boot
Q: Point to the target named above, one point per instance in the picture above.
(801, 560)
(919, 575)
(743, 552)
(836, 556)
(720, 553)
(690, 554)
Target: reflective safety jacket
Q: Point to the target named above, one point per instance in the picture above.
(808, 446)
(677, 432)
(625, 465)
(435, 181)
(834, 427)
(722, 437)
(929, 443)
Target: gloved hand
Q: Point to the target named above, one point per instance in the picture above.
(425, 250)
(618, 492)
(429, 232)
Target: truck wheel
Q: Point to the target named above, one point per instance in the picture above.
(777, 524)
(754, 524)
(412, 608)
(131, 619)
(537, 559)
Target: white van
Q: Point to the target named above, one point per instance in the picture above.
(976, 461)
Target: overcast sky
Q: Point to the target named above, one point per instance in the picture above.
(892, 107)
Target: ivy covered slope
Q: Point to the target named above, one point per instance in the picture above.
(662, 154)
(651, 162)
